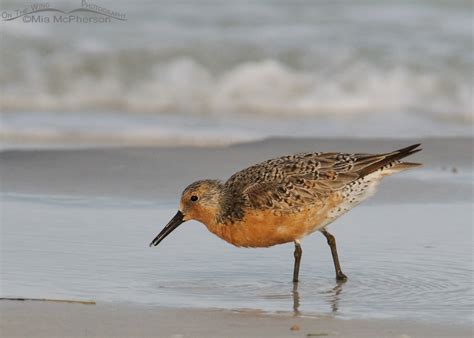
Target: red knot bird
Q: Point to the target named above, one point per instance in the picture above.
(285, 199)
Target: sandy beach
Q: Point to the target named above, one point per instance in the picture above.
(91, 213)
(33, 319)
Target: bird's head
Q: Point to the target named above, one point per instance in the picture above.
(199, 201)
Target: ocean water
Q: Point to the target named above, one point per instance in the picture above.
(222, 72)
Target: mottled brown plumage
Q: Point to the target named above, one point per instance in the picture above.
(284, 199)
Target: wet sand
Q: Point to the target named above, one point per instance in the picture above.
(91, 213)
(162, 172)
(36, 319)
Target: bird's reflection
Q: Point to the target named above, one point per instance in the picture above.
(334, 293)
(296, 299)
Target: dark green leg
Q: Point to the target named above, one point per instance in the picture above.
(332, 244)
(298, 253)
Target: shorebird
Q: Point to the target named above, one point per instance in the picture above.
(285, 199)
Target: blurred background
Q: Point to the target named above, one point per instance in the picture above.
(349, 76)
(214, 72)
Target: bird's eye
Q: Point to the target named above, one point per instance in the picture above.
(194, 198)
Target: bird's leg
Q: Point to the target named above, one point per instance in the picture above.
(332, 245)
(298, 253)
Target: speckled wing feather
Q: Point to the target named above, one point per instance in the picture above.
(294, 181)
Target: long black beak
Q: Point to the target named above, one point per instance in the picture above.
(173, 224)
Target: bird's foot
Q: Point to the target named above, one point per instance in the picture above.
(341, 277)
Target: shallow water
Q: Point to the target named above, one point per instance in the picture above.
(409, 261)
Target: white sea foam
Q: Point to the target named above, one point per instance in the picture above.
(266, 87)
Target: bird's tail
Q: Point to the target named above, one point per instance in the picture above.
(388, 158)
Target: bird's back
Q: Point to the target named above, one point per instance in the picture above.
(290, 183)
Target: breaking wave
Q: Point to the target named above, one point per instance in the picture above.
(266, 87)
